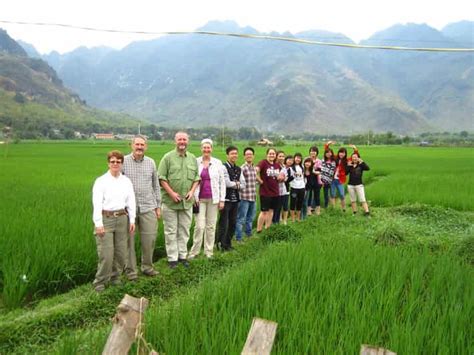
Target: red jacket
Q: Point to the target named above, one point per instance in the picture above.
(341, 172)
(340, 169)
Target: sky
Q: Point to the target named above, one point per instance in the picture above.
(357, 19)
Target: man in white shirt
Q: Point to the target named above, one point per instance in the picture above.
(113, 200)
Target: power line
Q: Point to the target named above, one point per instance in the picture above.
(342, 37)
(415, 40)
(243, 35)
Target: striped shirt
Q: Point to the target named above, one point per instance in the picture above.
(145, 182)
(249, 192)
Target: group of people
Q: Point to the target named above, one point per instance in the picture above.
(302, 179)
(134, 194)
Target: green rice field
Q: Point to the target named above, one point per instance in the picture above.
(402, 279)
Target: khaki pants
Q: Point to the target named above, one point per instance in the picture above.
(356, 192)
(176, 224)
(147, 225)
(205, 227)
(112, 250)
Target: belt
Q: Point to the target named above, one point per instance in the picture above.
(116, 213)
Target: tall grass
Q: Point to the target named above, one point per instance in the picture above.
(46, 229)
(337, 255)
(434, 176)
(45, 210)
(328, 294)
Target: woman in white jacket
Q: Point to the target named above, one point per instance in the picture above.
(210, 197)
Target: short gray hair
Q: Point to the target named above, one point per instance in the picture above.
(181, 132)
(207, 141)
(139, 136)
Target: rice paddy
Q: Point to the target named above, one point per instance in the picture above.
(329, 293)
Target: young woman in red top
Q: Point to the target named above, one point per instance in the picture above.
(337, 185)
(269, 177)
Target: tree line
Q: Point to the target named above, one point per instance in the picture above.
(36, 128)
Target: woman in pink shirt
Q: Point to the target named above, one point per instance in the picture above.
(210, 197)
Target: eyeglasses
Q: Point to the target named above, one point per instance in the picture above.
(115, 162)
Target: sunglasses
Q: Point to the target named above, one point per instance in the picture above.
(115, 162)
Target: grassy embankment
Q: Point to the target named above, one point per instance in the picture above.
(402, 279)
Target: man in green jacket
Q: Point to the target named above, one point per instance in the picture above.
(179, 177)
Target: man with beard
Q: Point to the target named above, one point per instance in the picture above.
(141, 170)
(179, 177)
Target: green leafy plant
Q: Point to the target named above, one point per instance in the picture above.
(390, 234)
(281, 233)
(465, 249)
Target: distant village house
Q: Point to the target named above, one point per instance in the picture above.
(264, 142)
(125, 137)
(111, 136)
(103, 136)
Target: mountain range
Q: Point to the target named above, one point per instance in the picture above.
(198, 80)
(34, 101)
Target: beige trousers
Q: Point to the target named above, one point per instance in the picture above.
(176, 227)
(112, 250)
(356, 192)
(205, 227)
(148, 226)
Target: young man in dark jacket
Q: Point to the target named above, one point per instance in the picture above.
(234, 181)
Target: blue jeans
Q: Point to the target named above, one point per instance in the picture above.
(336, 186)
(314, 198)
(245, 216)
